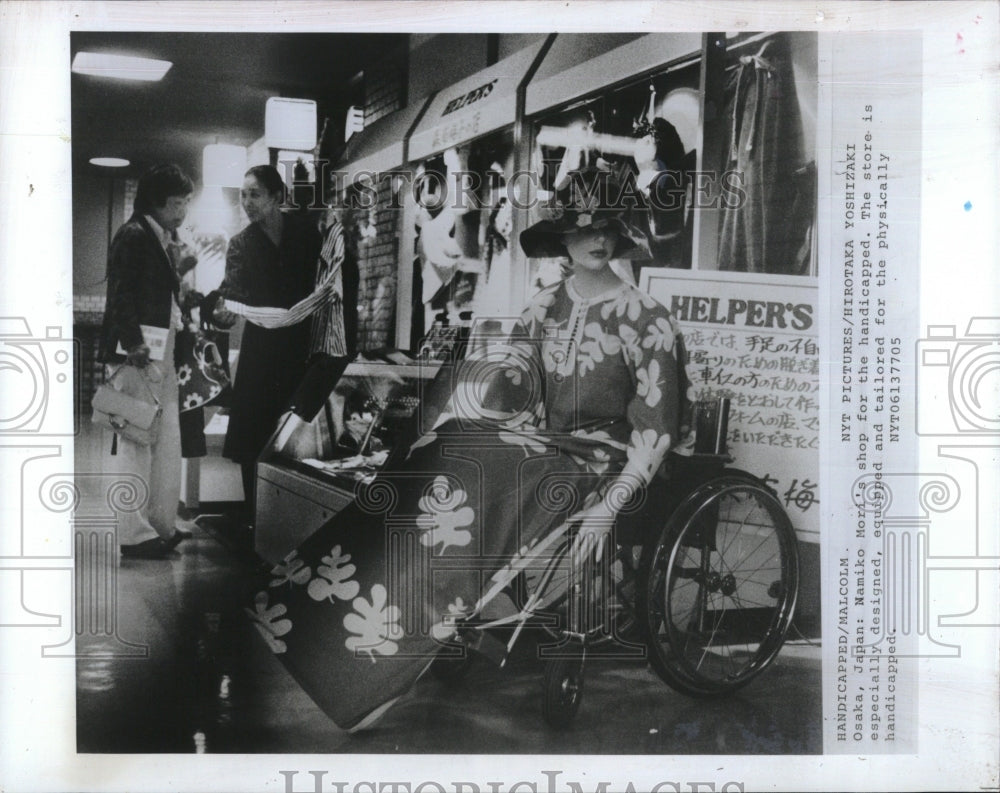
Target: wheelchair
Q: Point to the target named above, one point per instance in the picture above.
(702, 577)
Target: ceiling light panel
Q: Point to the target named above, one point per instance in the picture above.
(109, 162)
(120, 67)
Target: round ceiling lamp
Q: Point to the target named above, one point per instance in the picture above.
(109, 162)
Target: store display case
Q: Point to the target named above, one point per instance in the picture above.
(312, 465)
(465, 151)
(628, 105)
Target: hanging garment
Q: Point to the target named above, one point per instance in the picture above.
(328, 333)
(764, 146)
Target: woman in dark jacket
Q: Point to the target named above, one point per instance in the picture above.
(270, 277)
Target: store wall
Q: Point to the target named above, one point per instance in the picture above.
(386, 86)
(98, 211)
(377, 231)
(439, 59)
(509, 43)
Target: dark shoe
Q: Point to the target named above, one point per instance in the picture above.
(155, 548)
(177, 538)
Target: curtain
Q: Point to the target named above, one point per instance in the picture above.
(771, 229)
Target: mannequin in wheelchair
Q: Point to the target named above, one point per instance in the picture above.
(701, 459)
(526, 473)
(701, 583)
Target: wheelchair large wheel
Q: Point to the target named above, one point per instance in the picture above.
(720, 589)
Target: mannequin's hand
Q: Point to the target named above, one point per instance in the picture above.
(571, 161)
(138, 356)
(595, 525)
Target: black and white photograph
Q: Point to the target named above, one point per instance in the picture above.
(583, 399)
(343, 247)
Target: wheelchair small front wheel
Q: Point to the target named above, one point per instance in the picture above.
(563, 690)
(720, 589)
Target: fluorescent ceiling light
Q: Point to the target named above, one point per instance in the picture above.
(109, 162)
(121, 67)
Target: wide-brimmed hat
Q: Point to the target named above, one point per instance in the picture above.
(591, 195)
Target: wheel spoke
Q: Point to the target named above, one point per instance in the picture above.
(725, 587)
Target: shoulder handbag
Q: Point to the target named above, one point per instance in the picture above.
(202, 371)
(127, 405)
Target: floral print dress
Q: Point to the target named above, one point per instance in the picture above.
(536, 429)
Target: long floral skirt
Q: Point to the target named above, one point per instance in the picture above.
(362, 607)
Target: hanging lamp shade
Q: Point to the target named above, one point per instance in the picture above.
(290, 123)
(223, 165)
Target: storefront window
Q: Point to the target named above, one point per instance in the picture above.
(463, 231)
(646, 135)
(721, 155)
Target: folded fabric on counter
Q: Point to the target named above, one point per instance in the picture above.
(362, 466)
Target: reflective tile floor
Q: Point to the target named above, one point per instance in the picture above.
(204, 682)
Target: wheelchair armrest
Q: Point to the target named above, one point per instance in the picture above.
(683, 467)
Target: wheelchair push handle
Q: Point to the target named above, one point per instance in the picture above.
(711, 421)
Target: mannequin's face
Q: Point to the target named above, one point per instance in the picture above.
(257, 201)
(591, 247)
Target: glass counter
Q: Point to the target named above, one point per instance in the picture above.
(312, 465)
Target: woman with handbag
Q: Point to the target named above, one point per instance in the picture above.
(141, 320)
